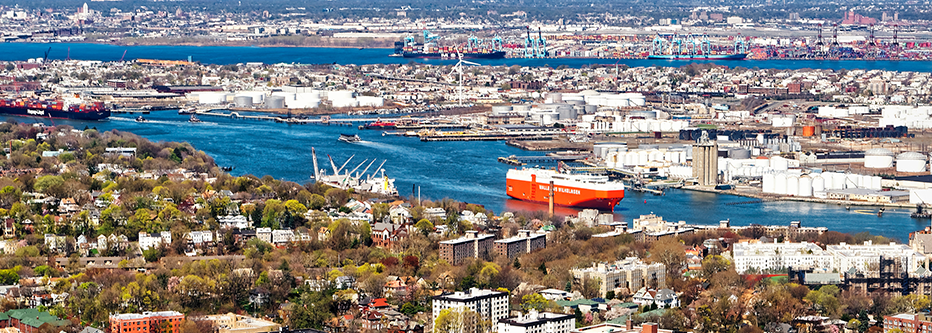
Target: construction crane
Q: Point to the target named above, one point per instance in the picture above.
(124, 55)
(46, 58)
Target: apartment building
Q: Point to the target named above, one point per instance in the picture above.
(147, 322)
(471, 245)
(538, 322)
(774, 256)
(489, 304)
(629, 274)
(524, 242)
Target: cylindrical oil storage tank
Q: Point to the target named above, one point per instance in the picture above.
(520, 108)
(631, 158)
(779, 183)
(878, 158)
(805, 186)
(211, 97)
(644, 114)
(818, 184)
(591, 109)
(668, 156)
(779, 163)
(840, 181)
(739, 153)
(792, 185)
(555, 97)
(911, 162)
(767, 183)
(808, 130)
(827, 179)
(275, 102)
(675, 157)
(242, 101)
(567, 113)
(501, 109)
(683, 155)
(876, 183)
(371, 101)
(655, 155)
(643, 157)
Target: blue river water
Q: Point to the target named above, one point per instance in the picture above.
(224, 55)
(465, 171)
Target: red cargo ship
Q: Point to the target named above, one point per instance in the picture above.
(68, 108)
(569, 190)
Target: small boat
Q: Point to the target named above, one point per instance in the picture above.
(186, 111)
(140, 119)
(194, 119)
(226, 168)
(349, 138)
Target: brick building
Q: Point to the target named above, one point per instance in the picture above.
(472, 245)
(29, 320)
(523, 242)
(147, 322)
(907, 322)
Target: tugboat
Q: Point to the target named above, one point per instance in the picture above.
(194, 119)
(140, 119)
(349, 138)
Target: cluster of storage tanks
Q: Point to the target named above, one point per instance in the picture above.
(618, 155)
(289, 97)
(797, 184)
(592, 97)
(909, 116)
(882, 158)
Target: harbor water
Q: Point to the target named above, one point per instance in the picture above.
(465, 171)
(225, 55)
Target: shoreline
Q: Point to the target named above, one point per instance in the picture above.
(797, 199)
(329, 46)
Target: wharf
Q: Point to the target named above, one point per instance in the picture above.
(549, 158)
(482, 137)
(289, 120)
(548, 145)
(761, 198)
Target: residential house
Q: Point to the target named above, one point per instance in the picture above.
(386, 235)
(663, 298)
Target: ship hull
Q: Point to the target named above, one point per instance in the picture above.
(564, 195)
(59, 114)
(739, 56)
(467, 55)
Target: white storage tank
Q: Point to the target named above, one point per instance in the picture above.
(878, 158)
(370, 101)
(827, 178)
(211, 97)
(501, 109)
(767, 183)
(818, 184)
(876, 183)
(631, 158)
(839, 181)
(275, 102)
(779, 163)
(792, 185)
(779, 184)
(805, 186)
(911, 162)
(521, 108)
(643, 157)
(242, 101)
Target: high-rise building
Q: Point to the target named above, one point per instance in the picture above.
(489, 304)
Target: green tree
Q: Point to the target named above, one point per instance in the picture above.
(424, 226)
(9, 276)
(45, 183)
(534, 302)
